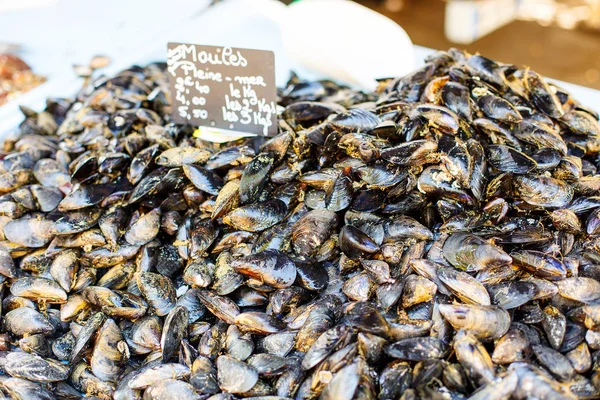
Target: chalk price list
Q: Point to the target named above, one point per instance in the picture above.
(207, 83)
(243, 105)
(189, 108)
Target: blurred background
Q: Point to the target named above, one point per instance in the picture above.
(557, 38)
(41, 40)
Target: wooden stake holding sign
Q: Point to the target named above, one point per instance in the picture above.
(223, 87)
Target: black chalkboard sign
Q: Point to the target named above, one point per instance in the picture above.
(223, 87)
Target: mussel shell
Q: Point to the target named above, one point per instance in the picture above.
(272, 267)
(173, 331)
(474, 358)
(308, 113)
(50, 173)
(158, 291)
(542, 96)
(441, 118)
(510, 295)
(416, 349)
(464, 286)
(456, 97)
(204, 376)
(144, 229)
(29, 232)
(355, 243)
(582, 123)
(222, 307)
(311, 276)
(486, 69)
(546, 158)
(26, 321)
(543, 191)
(582, 289)
(86, 335)
(255, 177)
(230, 156)
(541, 264)
(404, 227)
(507, 159)
(499, 109)
(203, 179)
(437, 181)
(149, 376)
(312, 230)
(168, 388)
(85, 196)
(110, 351)
(513, 346)
(76, 221)
(470, 318)
(257, 323)
(257, 217)
(235, 376)
(38, 289)
(472, 253)
(24, 389)
(355, 119)
(179, 156)
(411, 153)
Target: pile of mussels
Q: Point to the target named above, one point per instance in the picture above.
(436, 239)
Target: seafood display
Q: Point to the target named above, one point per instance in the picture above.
(438, 238)
(16, 77)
